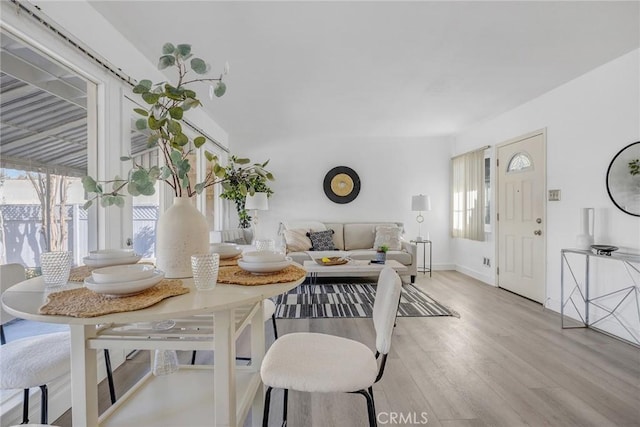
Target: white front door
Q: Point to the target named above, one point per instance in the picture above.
(521, 221)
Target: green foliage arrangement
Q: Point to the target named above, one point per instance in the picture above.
(164, 119)
(238, 185)
(634, 167)
(383, 248)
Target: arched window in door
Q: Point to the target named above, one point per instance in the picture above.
(519, 162)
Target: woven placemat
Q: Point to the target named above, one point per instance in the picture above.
(230, 261)
(78, 274)
(237, 276)
(82, 302)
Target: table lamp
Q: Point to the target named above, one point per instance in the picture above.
(420, 203)
(256, 202)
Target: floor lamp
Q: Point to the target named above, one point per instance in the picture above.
(420, 203)
(256, 202)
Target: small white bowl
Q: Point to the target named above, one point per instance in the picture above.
(225, 250)
(124, 289)
(263, 256)
(122, 273)
(263, 267)
(90, 262)
(111, 253)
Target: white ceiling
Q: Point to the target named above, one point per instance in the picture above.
(379, 68)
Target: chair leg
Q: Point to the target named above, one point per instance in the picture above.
(267, 401)
(112, 387)
(284, 407)
(25, 406)
(193, 357)
(44, 404)
(370, 407)
(373, 401)
(275, 328)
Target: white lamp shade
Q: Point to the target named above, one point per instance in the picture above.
(258, 201)
(420, 203)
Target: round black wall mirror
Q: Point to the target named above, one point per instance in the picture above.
(623, 179)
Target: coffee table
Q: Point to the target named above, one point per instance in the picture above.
(352, 268)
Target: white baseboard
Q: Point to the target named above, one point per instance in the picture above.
(476, 275)
(442, 267)
(552, 304)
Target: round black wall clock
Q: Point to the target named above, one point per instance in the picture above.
(341, 184)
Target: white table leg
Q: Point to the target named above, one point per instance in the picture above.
(84, 373)
(257, 354)
(225, 369)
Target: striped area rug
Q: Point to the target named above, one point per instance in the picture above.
(352, 300)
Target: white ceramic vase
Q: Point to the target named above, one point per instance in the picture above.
(182, 231)
(584, 240)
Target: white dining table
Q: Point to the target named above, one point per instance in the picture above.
(221, 396)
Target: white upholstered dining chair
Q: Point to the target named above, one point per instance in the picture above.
(314, 362)
(37, 360)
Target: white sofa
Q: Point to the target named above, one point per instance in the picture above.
(356, 240)
(241, 236)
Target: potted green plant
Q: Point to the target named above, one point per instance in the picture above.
(634, 167)
(381, 254)
(238, 185)
(182, 230)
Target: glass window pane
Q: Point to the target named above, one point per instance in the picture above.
(210, 195)
(43, 138)
(146, 210)
(519, 162)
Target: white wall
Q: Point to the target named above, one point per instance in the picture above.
(97, 33)
(391, 170)
(588, 120)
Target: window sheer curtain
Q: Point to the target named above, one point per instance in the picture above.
(467, 184)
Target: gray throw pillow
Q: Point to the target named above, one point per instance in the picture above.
(322, 240)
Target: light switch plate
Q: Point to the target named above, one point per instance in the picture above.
(554, 195)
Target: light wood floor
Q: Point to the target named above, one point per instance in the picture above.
(505, 362)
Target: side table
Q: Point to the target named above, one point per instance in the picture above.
(424, 244)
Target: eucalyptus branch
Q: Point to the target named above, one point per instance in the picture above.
(219, 79)
(163, 116)
(169, 164)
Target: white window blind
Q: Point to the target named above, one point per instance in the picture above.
(467, 184)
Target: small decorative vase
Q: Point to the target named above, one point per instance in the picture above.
(182, 231)
(381, 257)
(584, 240)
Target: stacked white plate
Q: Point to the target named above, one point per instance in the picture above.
(123, 280)
(262, 262)
(107, 257)
(225, 250)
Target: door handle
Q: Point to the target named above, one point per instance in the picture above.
(538, 232)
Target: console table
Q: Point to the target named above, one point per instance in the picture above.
(582, 297)
(424, 244)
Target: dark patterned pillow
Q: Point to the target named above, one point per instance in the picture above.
(322, 240)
